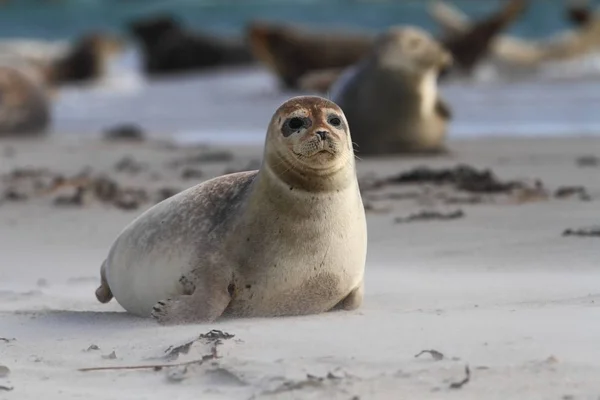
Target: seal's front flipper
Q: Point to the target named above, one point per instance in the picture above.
(353, 300)
(103, 293)
(443, 109)
(201, 306)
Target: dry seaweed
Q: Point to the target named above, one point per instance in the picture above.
(129, 165)
(310, 381)
(214, 337)
(130, 132)
(570, 191)
(464, 381)
(430, 216)
(191, 173)
(588, 161)
(434, 353)
(463, 177)
(583, 232)
(206, 156)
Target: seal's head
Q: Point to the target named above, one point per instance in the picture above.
(309, 134)
(410, 48)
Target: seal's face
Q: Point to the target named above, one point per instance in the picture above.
(412, 48)
(312, 131)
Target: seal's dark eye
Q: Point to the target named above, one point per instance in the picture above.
(335, 121)
(296, 123)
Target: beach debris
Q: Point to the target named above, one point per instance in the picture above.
(310, 381)
(463, 177)
(157, 367)
(4, 371)
(430, 216)
(174, 352)
(205, 156)
(370, 207)
(75, 198)
(77, 190)
(251, 166)
(7, 340)
(177, 374)
(111, 356)
(570, 191)
(583, 232)
(475, 199)
(6, 388)
(551, 360)
(129, 165)
(128, 132)
(93, 347)
(130, 198)
(588, 161)
(191, 173)
(434, 353)
(41, 282)
(165, 193)
(214, 337)
(22, 183)
(222, 376)
(464, 381)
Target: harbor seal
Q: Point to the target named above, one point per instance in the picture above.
(309, 61)
(169, 48)
(86, 60)
(24, 102)
(391, 98)
(469, 48)
(288, 239)
(525, 55)
(292, 52)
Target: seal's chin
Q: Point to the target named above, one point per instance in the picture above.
(317, 158)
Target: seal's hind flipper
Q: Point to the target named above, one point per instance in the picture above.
(103, 293)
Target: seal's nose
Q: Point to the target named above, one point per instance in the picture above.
(322, 134)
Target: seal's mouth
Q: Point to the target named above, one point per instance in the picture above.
(311, 154)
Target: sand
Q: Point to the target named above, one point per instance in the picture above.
(500, 290)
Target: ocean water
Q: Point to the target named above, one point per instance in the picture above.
(235, 105)
(63, 19)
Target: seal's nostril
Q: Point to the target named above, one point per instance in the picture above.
(322, 134)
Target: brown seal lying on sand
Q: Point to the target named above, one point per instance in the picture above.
(291, 52)
(288, 239)
(169, 48)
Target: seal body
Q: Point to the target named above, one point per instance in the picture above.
(288, 239)
(168, 48)
(24, 104)
(292, 53)
(522, 55)
(85, 61)
(391, 98)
